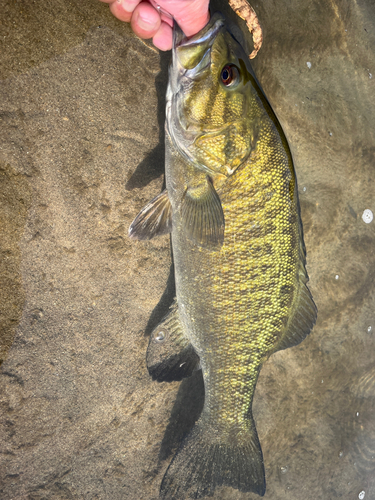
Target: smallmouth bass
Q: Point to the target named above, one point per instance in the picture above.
(231, 206)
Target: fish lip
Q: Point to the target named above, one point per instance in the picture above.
(192, 56)
(206, 36)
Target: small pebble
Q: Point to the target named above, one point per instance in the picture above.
(369, 328)
(367, 216)
(361, 496)
(309, 64)
(336, 277)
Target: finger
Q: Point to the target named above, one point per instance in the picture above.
(190, 24)
(145, 20)
(190, 15)
(163, 37)
(123, 9)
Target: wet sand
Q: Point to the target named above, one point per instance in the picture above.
(82, 112)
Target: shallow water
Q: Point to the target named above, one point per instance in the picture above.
(81, 152)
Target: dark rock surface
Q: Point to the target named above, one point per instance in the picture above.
(81, 152)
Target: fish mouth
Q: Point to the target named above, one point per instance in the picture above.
(190, 52)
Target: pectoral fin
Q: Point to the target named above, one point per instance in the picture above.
(203, 215)
(154, 219)
(170, 356)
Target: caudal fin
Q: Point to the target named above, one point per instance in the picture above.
(208, 459)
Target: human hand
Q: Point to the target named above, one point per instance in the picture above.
(147, 22)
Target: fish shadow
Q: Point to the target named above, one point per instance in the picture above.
(153, 165)
(186, 410)
(162, 307)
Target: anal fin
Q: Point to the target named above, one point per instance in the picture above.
(170, 356)
(154, 219)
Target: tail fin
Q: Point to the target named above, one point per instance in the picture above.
(207, 459)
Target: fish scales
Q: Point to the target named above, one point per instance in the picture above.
(243, 284)
(231, 205)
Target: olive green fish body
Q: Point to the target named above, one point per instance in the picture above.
(231, 205)
(235, 302)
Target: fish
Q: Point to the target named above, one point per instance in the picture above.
(231, 206)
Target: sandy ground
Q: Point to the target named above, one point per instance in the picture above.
(81, 151)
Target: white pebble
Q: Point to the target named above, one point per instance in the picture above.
(361, 496)
(369, 328)
(367, 216)
(309, 64)
(370, 75)
(336, 277)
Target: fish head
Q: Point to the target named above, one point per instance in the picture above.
(210, 95)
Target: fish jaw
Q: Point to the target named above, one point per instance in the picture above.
(191, 56)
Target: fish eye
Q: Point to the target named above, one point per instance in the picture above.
(230, 75)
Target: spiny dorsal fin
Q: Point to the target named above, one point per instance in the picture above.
(154, 219)
(170, 356)
(203, 215)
